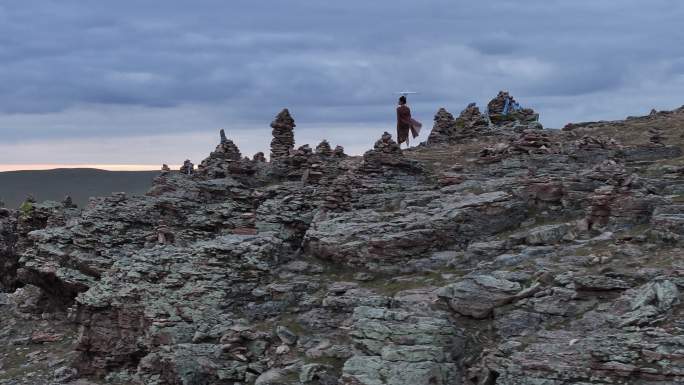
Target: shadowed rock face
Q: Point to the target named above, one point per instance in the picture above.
(8, 258)
(521, 256)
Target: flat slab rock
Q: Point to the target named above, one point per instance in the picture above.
(477, 296)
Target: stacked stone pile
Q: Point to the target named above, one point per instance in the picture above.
(225, 160)
(188, 168)
(339, 196)
(496, 111)
(283, 135)
(473, 119)
(386, 157)
(259, 157)
(444, 128)
(324, 148)
(338, 152)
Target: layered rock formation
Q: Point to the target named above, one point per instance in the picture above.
(531, 257)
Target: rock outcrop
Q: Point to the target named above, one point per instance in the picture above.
(506, 255)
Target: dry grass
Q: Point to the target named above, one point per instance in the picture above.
(635, 131)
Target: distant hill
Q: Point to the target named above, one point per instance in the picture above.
(80, 183)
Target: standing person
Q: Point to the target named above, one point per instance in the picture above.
(403, 121)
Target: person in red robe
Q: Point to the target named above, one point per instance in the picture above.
(403, 121)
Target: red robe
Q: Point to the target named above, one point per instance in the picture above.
(403, 123)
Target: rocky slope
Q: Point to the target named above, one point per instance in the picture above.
(496, 253)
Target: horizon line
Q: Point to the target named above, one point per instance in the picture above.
(105, 167)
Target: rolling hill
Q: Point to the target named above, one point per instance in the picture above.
(81, 184)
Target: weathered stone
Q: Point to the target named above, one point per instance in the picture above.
(283, 135)
(477, 296)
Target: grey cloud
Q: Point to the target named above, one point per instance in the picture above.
(330, 62)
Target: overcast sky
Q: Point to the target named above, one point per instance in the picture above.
(152, 81)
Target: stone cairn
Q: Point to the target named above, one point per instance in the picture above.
(599, 210)
(339, 197)
(473, 119)
(226, 159)
(259, 157)
(68, 203)
(443, 129)
(188, 168)
(496, 108)
(283, 135)
(386, 154)
(338, 152)
(324, 148)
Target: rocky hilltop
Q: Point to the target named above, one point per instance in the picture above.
(495, 253)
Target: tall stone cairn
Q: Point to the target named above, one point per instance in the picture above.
(283, 135)
(443, 129)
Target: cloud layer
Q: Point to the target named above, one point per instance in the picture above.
(85, 73)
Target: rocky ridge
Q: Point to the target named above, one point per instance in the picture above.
(495, 253)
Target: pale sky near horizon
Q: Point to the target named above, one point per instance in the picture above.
(151, 82)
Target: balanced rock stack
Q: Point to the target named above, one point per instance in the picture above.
(599, 210)
(68, 202)
(473, 119)
(386, 154)
(225, 159)
(339, 197)
(324, 149)
(338, 152)
(283, 135)
(259, 157)
(188, 168)
(298, 163)
(497, 114)
(443, 129)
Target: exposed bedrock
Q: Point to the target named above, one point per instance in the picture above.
(504, 255)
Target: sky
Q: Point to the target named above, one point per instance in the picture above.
(146, 82)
